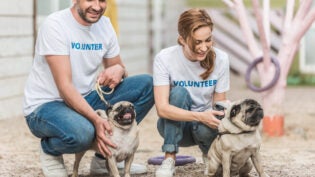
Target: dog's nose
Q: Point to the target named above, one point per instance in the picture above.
(260, 113)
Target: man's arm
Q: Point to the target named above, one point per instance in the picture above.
(114, 72)
(60, 67)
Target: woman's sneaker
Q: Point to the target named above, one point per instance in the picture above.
(52, 166)
(98, 167)
(167, 168)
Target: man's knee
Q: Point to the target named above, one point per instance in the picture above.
(80, 141)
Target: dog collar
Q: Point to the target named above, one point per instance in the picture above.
(225, 133)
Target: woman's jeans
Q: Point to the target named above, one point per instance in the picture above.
(63, 130)
(183, 134)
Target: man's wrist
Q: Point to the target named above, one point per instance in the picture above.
(125, 74)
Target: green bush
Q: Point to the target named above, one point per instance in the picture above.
(295, 77)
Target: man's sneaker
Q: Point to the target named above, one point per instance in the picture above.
(98, 167)
(52, 166)
(167, 168)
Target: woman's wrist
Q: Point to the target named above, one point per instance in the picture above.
(197, 117)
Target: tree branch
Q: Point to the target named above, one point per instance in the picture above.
(288, 16)
(248, 33)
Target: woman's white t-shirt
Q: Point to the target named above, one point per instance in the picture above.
(172, 68)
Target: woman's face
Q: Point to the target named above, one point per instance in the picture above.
(203, 43)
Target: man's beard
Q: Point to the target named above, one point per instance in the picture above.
(82, 14)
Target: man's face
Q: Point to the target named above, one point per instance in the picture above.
(90, 11)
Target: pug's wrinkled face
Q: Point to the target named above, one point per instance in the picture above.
(122, 112)
(247, 111)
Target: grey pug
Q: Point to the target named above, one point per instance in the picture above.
(238, 141)
(121, 118)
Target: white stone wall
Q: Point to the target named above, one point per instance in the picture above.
(17, 39)
(133, 16)
(16, 51)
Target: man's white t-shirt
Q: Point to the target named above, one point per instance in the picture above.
(86, 46)
(171, 67)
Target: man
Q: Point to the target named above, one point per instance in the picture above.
(59, 98)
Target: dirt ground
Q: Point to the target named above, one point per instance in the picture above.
(292, 155)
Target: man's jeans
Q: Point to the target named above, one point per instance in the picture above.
(184, 134)
(63, 130)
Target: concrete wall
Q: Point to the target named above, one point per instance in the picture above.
(17, 39)
(145, 29)
(133, 20)
(16, 51)
(136, 35)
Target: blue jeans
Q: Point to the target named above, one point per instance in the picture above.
(184, 134)
(62, 130)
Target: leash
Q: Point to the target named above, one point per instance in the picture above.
(100, 93)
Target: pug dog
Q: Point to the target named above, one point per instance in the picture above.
(238, 141)
(121, 118)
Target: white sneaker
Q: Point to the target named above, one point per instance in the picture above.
(167, 168)
(52, 166)
(98, 167)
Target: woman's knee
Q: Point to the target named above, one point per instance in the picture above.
(167, 127)
(180, 97)
(161, 126)
(204, 136)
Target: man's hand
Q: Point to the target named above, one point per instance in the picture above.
(102, 128)
(111, 76)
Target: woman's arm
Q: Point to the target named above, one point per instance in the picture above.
(168, 111)
(219, 97)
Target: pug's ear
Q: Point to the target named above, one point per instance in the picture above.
(109, 109)
(235, 110)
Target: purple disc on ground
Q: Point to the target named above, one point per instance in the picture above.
(180, 160)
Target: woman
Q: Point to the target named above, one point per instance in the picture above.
(188, 79)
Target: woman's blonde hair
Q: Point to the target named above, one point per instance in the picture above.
(190, 21)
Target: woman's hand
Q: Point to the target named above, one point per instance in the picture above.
(102, 128)
(111, 76)
(208, 118)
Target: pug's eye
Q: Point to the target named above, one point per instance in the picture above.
(119, 108)
(250, 110)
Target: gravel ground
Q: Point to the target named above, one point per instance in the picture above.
(291, 155)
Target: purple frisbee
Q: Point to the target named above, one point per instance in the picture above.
(180, 160)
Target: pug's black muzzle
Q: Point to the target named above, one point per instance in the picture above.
(125, 116)
(255, 117)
